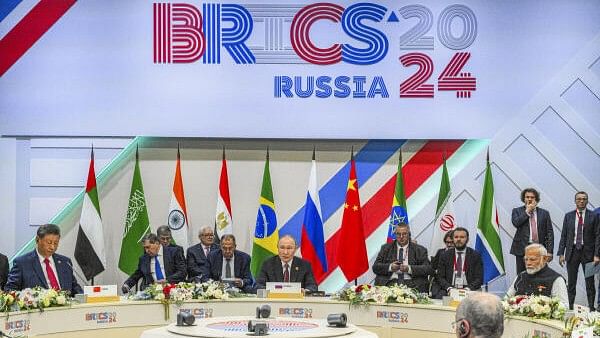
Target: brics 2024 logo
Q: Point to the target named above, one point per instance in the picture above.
(185, 33)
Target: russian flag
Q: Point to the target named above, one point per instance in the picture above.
(312, 245)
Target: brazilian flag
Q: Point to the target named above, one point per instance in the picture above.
(266, 234)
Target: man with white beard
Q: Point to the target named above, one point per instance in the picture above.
(538, 278)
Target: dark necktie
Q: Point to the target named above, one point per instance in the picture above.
(228, 268)
(157, 269)
(286, 273)
(401, 260)
(459, 263)
(579, 239)
(51, 275)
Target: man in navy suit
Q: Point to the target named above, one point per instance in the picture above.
(460, 267)
(3, 271)
(285, 267)
(580, 240)
(230, 264)
(43, 266)
(197, 254)
(166, 238)
(159, 264)
(533, 226)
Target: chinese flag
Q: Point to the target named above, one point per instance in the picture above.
(353, 261)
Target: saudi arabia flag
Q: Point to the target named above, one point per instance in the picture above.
(136, 223)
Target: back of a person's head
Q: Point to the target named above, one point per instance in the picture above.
(483, 314)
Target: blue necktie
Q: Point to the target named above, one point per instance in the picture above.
(157, 269)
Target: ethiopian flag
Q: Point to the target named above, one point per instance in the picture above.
(266, 234)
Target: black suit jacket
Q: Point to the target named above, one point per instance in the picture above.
(241, 268)
(520, 220)
(473, 266)
(174, 268)
(591, 236)
(417, 259)
(196, 259)
(3, 271)
(27, 272)
(300, 272)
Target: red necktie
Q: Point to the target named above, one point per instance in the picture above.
(533, 226)
(286, 273)
(51, 275)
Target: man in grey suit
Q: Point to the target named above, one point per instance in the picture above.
(533, 226)
(402, 262)
(197, 254)
(285, 267)
(579, 245)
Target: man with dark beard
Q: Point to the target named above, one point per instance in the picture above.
(538, 278)
(460, 267)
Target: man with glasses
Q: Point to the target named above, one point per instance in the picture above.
(479, 315)
(285, 267)
(197, 254)
(230, 265)
(166, 239)
(158, 264)
(538, 278)
(402, 262)
(579, 245)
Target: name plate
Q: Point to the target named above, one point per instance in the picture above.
(100, 293)
(284, 290)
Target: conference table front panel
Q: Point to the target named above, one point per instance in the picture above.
(130, 318)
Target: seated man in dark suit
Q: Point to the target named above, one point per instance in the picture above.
(43, 266)
(460, 267)
(285, 267)
(3, 271)
(159, 264)
(197, 254)
(435, 288)
(402, 262)
(229, 264)
(166, 239)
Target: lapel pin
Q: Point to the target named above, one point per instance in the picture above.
(296, 268)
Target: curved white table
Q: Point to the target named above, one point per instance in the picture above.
(131, 318)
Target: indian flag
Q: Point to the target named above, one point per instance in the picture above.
(178, 221)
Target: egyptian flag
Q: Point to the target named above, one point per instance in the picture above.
(223, 220)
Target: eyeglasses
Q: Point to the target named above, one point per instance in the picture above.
(207, 235)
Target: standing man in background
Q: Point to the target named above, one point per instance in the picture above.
(533, 226)
(581, 241)
(166, 239)
(197, 254)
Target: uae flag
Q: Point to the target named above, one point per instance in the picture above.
(223, 220)
(178, 221)
(354, 261)
(89, 248)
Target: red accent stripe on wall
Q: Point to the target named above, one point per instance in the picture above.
(37, 22)
(377, 209)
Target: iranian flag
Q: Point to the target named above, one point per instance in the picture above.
(444, 215)
(223, 220)
(89, 248)
(178, 221)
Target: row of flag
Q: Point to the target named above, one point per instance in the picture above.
(91, 257)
